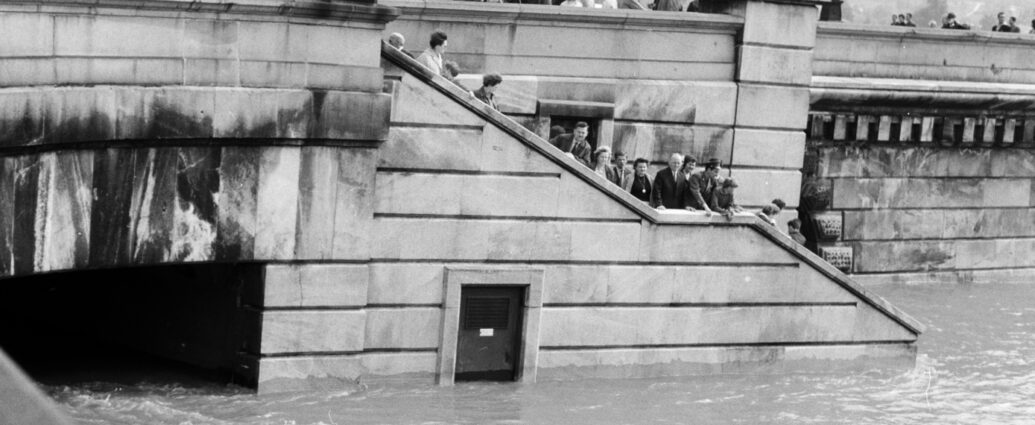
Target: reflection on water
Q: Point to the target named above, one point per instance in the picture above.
(975, 366)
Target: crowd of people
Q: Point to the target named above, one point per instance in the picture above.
(433, 59)
(949, 21)
(675, 187)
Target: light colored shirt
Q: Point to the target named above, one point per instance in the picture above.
(432, 60)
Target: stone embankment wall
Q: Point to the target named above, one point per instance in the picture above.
(625, 291)
(922, 144)
(727, 86)
(166, 132)
(185, 132)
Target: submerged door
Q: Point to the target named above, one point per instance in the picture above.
(489, 341)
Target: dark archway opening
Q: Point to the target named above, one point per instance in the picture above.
(184, 324)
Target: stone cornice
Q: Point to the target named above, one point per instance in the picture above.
(325, 10)
(533, 14)
(892, 93)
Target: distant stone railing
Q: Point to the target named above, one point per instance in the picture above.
(934, 130)
(873, 51)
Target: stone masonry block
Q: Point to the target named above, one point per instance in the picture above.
(405, 284)
(353, 116)
(838, 256)
(453, 149)
(393, 328)
(210, 39)
(266, 41)
(272, 74)
(781, 24)
(26, 34)
(115, 36)
(768, 148)
(277, 203)
(630, 326)
(830, 225)
(931, 193)
(679, 102)
(900, 256)
(416, 102)
(760, 187)
(312, 331)
(656, 142)
(760, 64)
(324, 45)
(316, 285)
(773, 107)
(27, 72)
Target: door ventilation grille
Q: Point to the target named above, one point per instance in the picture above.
(487, 312)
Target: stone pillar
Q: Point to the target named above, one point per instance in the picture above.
(774, 72)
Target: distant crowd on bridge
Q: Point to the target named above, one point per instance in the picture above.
(677, 187)
(951, 22)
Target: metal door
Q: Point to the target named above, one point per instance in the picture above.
(489, 341)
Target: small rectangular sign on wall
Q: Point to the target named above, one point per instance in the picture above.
(485, 332)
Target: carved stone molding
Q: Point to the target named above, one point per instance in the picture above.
(838, 256)
(829, 225)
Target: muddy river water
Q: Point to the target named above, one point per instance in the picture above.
(976, 365)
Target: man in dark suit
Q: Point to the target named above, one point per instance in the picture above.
(575, 144)
(701, 186)
(669, 187)
(623, 173)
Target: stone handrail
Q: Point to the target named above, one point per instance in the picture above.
(536, 143)
(891, 52)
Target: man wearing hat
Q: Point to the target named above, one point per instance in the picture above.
(722, 200)
(702, 185)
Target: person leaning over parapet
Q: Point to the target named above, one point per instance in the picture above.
(639, 184)
(487, 93)
(623, 173)
(702, 185)
(1001, 25)
(669, 186)
(432, 56)
(780, 205)
(1013, 24)
(794, 231)
(722, 200)
(950, 23)
(602, 165)
(575, 144)
(909, 21)
(631, 4)
(397, 41)
(767, 214)
(689, 162)
(668, 5)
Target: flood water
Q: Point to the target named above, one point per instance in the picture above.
(976, 365)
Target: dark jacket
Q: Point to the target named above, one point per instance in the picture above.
(627, 186)
(622, 175)
(699, 190)
(566, 143)
(486, 97)
(797, 236)
(721, 202)
(668, 191)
